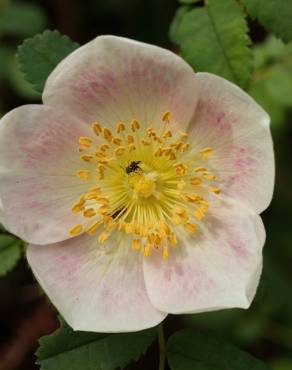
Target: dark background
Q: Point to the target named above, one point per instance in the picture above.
(265, 330)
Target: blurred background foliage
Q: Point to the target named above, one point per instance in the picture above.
(265, 330)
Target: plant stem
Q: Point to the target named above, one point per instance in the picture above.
(161, 343)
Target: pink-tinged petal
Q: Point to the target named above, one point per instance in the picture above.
(237, 128)
(95, 289)
(218, 268)
(113, 79)
(38, 162)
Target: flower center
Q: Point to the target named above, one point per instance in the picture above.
(147, 186)
(143, 184)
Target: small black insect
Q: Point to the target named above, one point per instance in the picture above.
(118, 213)
(133, 167)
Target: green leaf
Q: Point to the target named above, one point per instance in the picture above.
(189, 349)
(39, 55)
(66, 349)
(10, 252)
(274, 15)
(22, 20)
(214, 39)
(272, 80)
(271, 51)
(18, 82)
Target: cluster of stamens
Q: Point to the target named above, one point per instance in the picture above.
(147, 186)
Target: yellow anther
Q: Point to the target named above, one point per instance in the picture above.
(107, 134)
(196, 181)
(76, 230)
(185, 147)
(104, 160)
(100, 154)
(150, 132)
(89, 213)
(158, 152)
(206, 152)
(82, 149)
(204, 205)
(167, 134)
(94, 190)
(172, 156)
(85, 141)
(172, 240)
(200, 169)
(120, 150)
(91, 196)
(145, 142)
(157, 138)
(166, 150)
(121, 225)
(87, 158)
(107, 219)
(76, 208)
(79, 206)
(93, 227)
(96, 128)
(190, 228)
(177, 145)
(157, 241)
(151, 238)
(215, 189)
(103, 210)
(209, 176)
(128, 228)
(181, 169)
(102, 201)
(176, 219)
(130, 139)
(120, 127)
(179, 209)
(83, 174)
(117, 141)
(166, 117)
(192, 198)
(136, 228)
(147, 250)
(181, 184)
(136, 244)
(103, 237)
(135, 125)
(101, 167)
(164, 228)
(183, 134)
(165, 253)
(110, 226)
(199, 213)
(132, 147)
(81, 200)
(103, 147)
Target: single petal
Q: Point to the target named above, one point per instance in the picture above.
(218, 268)
(38, 162)
(237, 128)
(94, 288)
(113, 79)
